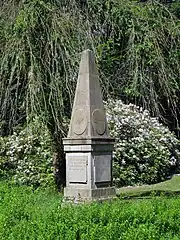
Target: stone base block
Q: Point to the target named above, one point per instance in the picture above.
(81, 194)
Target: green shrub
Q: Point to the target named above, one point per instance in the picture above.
(26, 155)
(146, 152)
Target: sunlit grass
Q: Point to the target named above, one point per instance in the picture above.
(28, 214)
(169, 187)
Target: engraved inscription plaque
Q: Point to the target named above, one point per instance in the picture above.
(77, 169)
(102, 164)
(99, 122)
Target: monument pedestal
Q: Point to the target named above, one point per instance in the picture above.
(88, 169)
(88, 146)
(81, 195)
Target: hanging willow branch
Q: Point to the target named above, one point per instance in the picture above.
(137, 48)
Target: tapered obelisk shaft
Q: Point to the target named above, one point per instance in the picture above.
(88, 116)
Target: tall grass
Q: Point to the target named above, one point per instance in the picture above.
(39, 215)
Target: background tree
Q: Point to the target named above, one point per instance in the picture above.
(137, 49)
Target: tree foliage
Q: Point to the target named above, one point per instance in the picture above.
(140, 56)
(137, 50)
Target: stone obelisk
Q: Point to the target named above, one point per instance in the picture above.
(88, 146)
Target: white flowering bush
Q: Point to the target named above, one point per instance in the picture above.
(146, 152)
(27, 155)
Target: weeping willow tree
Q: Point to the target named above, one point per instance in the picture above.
(140, 55)
(40, 46)
(137, 49)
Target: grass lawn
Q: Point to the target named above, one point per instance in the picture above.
(169, 188)
(28, 214)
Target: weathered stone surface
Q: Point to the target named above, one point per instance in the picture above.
(88, 118)
(88, 146)
(102, 164)
(99, 121)
(89, 194)
(79, 121)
